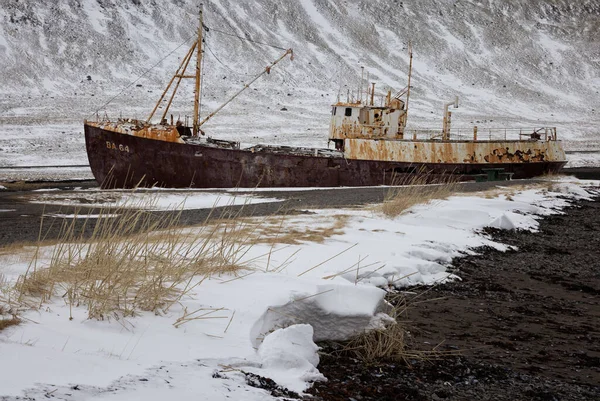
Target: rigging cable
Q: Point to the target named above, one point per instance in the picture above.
(177, 48)
(247, 39)
(141, 76)
(240, 73)
(223, 64)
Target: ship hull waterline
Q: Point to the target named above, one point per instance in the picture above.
(126, 161)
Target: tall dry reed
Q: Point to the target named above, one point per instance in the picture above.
(412, 189)
(138, 261)
(9, 313)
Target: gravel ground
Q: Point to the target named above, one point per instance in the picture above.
(526, 324)
(20, 219)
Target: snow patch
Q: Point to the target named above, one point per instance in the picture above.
(81, 216)
(268, 319)
(151, 200)
(553, 46)
(317, 17)
(290, 356)
(96, 16)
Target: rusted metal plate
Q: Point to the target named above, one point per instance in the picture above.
(471, 152)
(167, 133)
(122, 160)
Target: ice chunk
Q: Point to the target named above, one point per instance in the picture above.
(503, 222)
(335, 312)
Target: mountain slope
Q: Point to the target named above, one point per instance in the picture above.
(526, 61)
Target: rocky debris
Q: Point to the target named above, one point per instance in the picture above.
(267, 384)
(526, 324)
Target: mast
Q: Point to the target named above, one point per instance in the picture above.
(180, 74)
(410, 55)
(196, 127)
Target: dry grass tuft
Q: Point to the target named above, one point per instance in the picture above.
(552, 175)
(5, 323)
(125, 266)
(380, 344)
(8, 312)
(510, 192)
(12, 249)
(389, 343)
(413, 189)
(278, 230)
(384, 343)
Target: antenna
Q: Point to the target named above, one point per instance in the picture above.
(339, 74)
(362, 78)
(373, 95)
(410, 56)
(367, 84)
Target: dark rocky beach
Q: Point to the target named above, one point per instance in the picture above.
(520, 325)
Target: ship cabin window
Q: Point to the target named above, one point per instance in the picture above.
(333, 110)
(364, 115)
(348, 111)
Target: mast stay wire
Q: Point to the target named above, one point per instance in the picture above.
(247, 39)
(283, 74)
(177, 48)
(222, 63)
(141, 76)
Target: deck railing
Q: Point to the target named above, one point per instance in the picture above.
(485, 134)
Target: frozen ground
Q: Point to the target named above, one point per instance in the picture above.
(150, 200)
(312, 277)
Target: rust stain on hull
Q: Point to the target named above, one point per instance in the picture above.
(166, 133)
(470, 152)
(122, 160)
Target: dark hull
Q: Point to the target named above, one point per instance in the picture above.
(125, 161)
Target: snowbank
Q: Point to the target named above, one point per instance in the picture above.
(264, 321)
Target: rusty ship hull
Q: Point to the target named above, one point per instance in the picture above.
(120, 160)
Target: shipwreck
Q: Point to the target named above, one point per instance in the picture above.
(369, 145)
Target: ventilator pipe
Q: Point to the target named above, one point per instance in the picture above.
(446, 126)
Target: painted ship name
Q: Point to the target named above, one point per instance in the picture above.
(114, 146)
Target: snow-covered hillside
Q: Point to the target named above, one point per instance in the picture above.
(523, 62)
